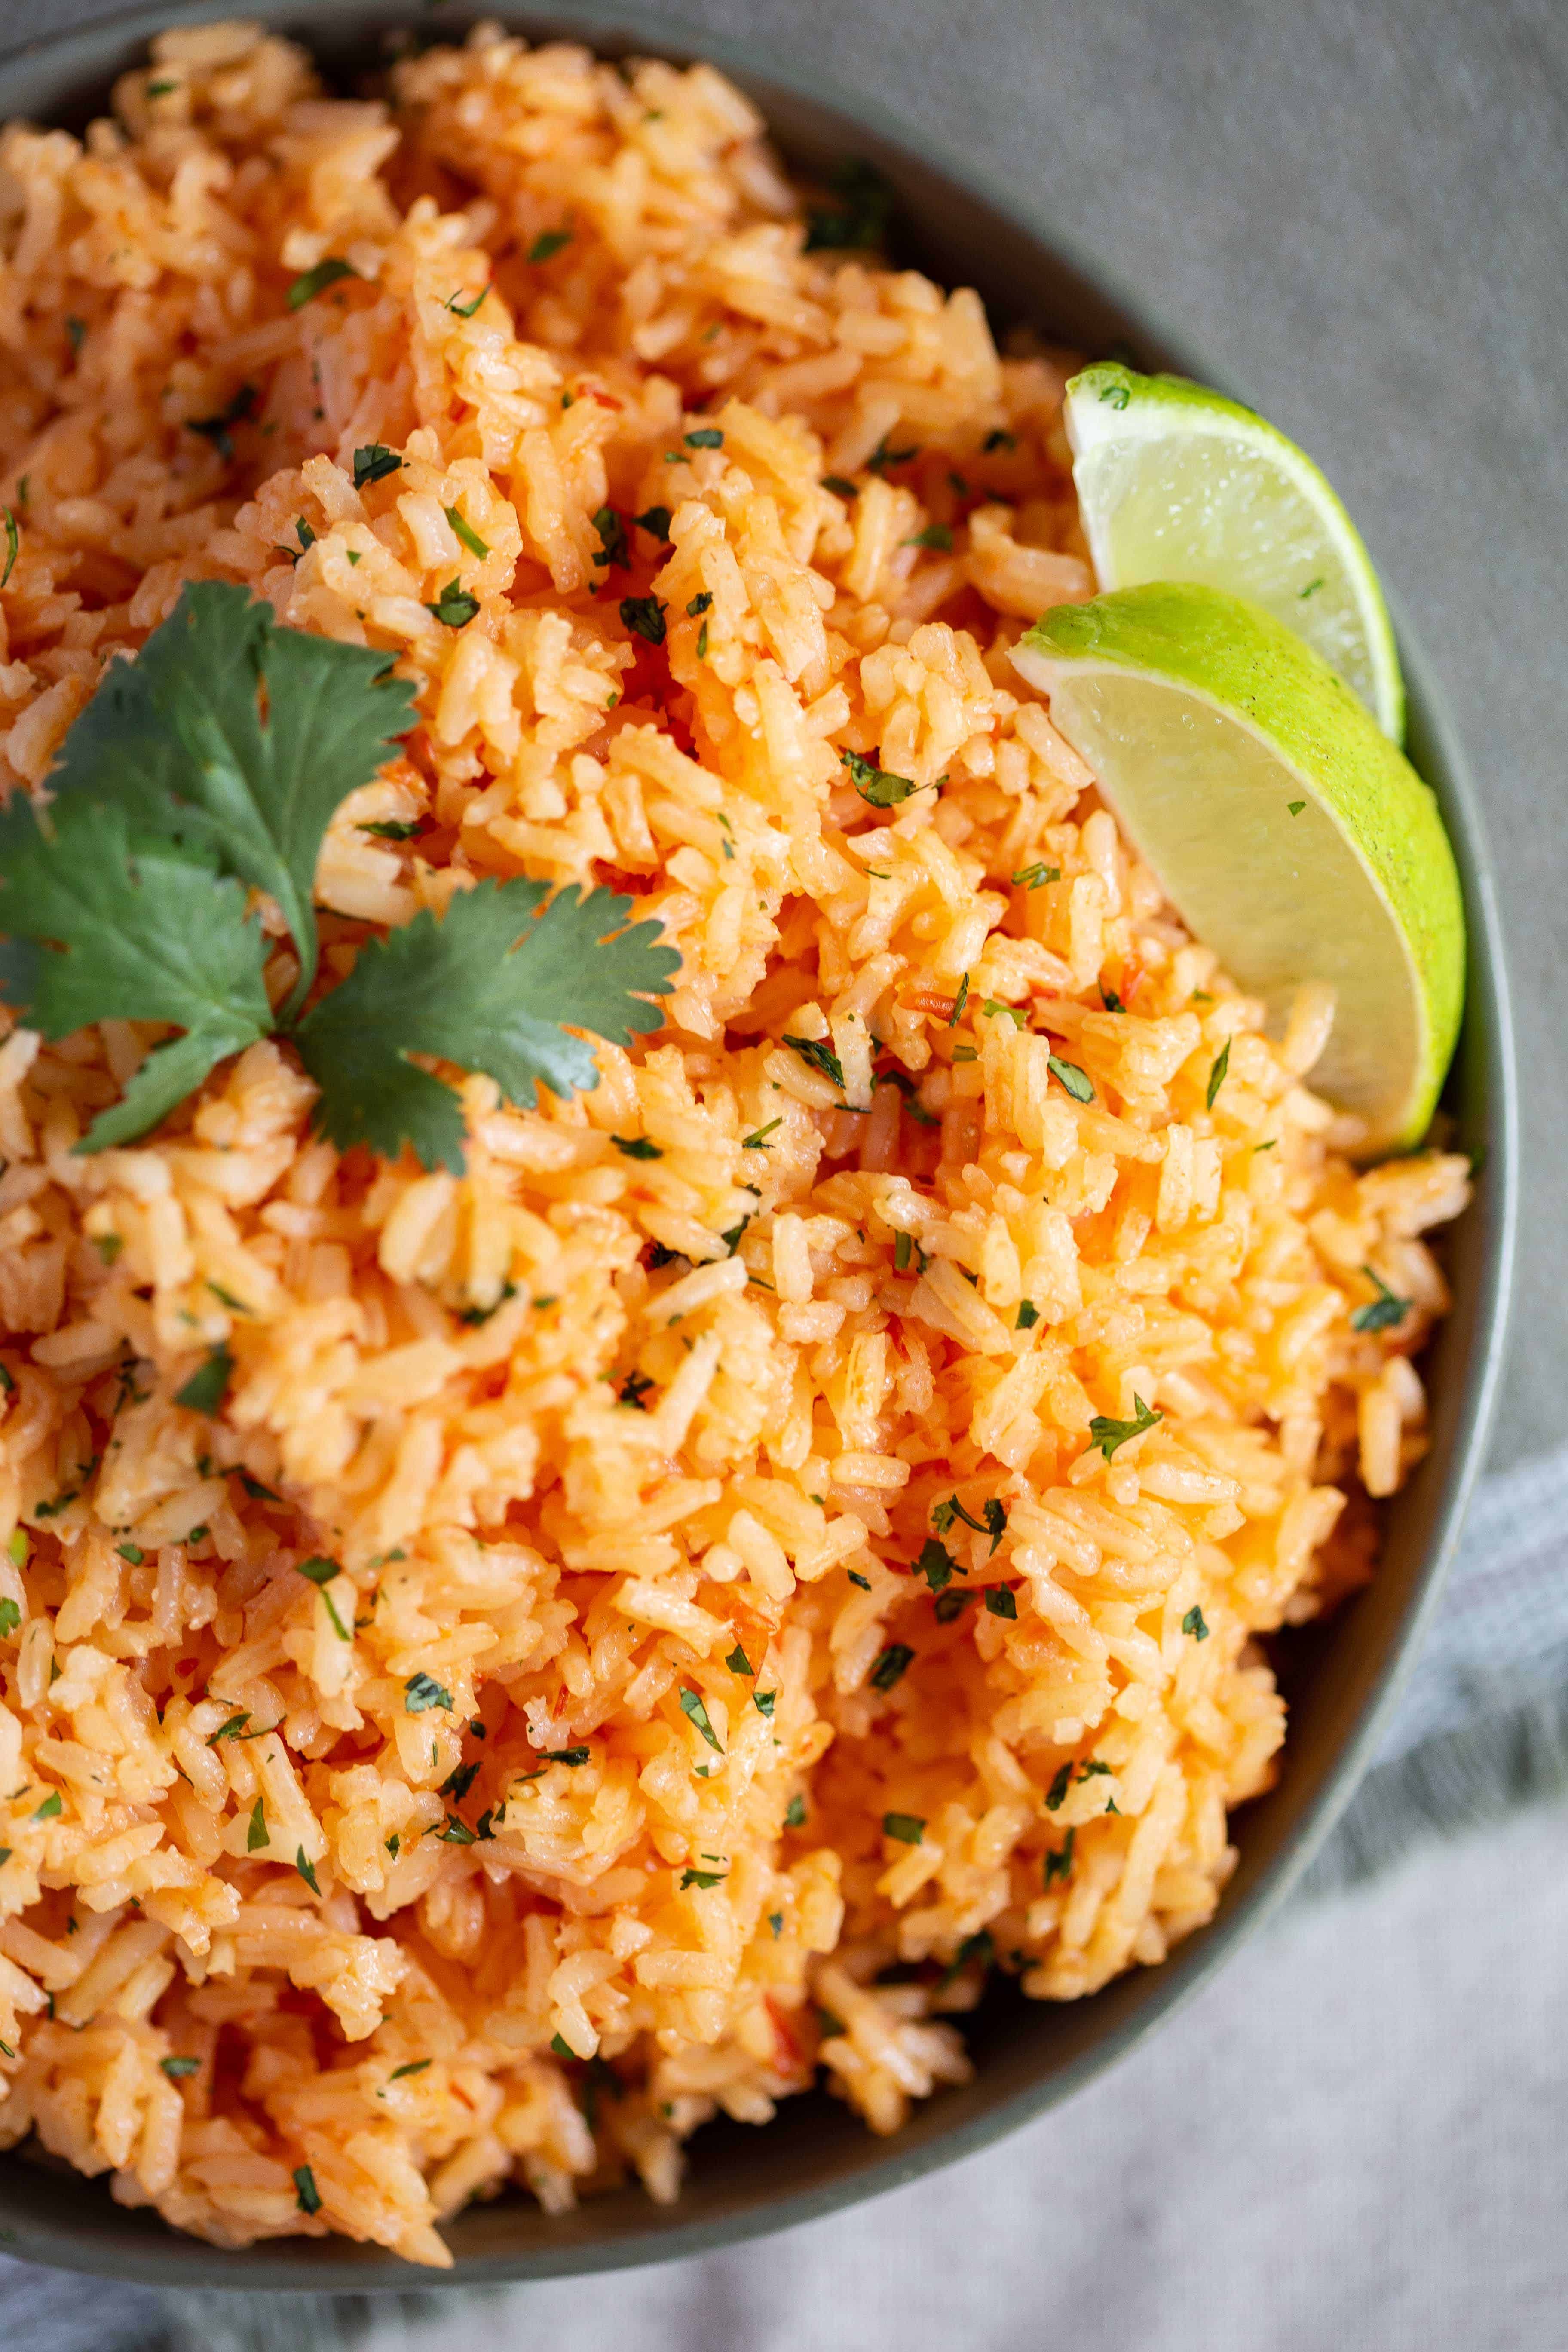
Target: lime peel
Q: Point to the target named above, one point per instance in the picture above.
(1203, 719)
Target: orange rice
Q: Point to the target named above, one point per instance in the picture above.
(598, 1437)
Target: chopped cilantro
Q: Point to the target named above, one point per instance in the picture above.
(219, 429)
(758, 1140)
(422, 1691)
(550, 242)
(1076, 1082)
(992, 1006)
(633, 1388)
(655, 521)
(959, 1001)
(644, 615)
(1028, 1315)
(13, 546)
(1059, 1864)
(857, 221)
(1194, 1623)
(903, 1249)
(881, 456)
(863, 1581)
(457, 1784)
(937, 1565)
(795, 1812)
(1295, 807)
(952, 1605)
(938, 535)
(50, 1808)
(573, 1756)
(373, 463)
(1000, 1602)
(765, 1701)
(109, 1246)
(612, 550)
(465, 310)
(999, 438)
(1383, 1312)
(10, 1615)
(819, 1056)
(637, 1146)
(312, 282)
(207, 1389)
(561, 2046)
(908, 1827)
(738, 1662)
(776, 1921)
(305, 2189)
(307, 1870)
(233, 1729)
(699, 604)
(703, 641)
(414, 2066)
(877, 786)
(705, 436)
(1217, 1075)
(702, 1878)
(465, 531)
(694, 1707)
(177, 2068)
(978, 1946)
(1108, 1434)
(841, 485)
(454, 607)
(256, 1836)
(453, 1831)
(890, 1665)
(390, 828)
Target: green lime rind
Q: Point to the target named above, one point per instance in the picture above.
(1176, 482)
(1292, 836)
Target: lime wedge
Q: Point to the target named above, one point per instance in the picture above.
(1290, 834)
(1176, 482)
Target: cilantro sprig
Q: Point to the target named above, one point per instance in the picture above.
(215, 760)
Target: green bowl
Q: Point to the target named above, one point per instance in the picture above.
(1341, 1678)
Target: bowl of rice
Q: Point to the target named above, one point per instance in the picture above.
(742, 1623)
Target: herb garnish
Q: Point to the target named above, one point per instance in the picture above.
(1383, 1312)
(878, 786)
(1000, 1600)
(1217, 1075)
(694, 1707)
(464, 531)
(1028, 1315)
(307, 1870)
(702, 1878)
(1059, 1864)
(373, 463)
(422, 1691)
(644, 615)
(758, 1140)
(937, 535)
(116, 910)
(655, 521)
(612, 550)
(858, 223)
(1077, 1082)
(1108, 1434)
(207, 1389)
(908, 1827)
(306, 2191)
(890, 1665)
(1194, 1623)
(256, 1836)
(176, 2068)
(795, 1812)
(1035, 877)
(219, 429)
(312, 282)
(819, 1056)
(13, 546)
(455, 607)
(705, 436)
(549, 243)
(637, 1146)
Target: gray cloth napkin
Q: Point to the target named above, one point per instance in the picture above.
(1357, 206)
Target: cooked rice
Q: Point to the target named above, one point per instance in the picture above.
(824, 1302)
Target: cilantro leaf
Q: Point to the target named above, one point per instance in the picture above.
(177, 739)
(101, 927)
(1108, 1434)
(487, 987)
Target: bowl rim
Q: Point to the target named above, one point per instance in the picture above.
(128, 2247)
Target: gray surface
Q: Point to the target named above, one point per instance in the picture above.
(1360, 205)
(1361, 209)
